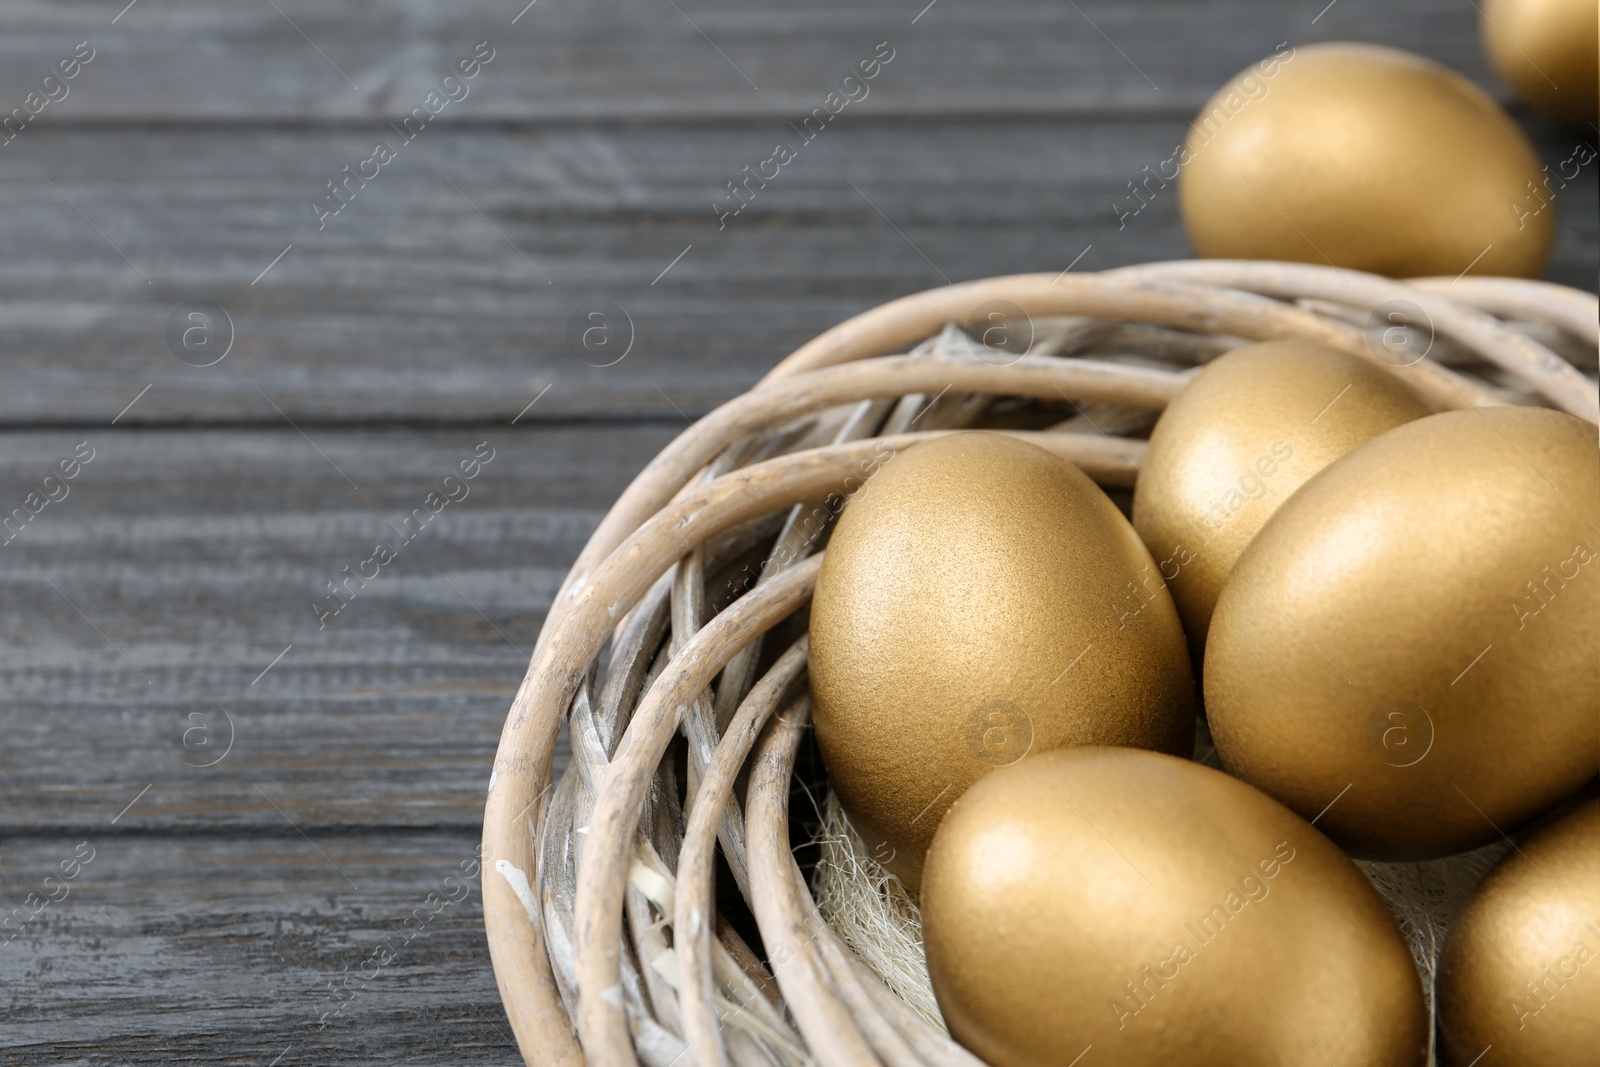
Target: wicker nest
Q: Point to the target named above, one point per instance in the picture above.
(673, 656)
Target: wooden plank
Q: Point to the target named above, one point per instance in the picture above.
(427, 299)
(187, 59)
(246, 950)
(145, 618)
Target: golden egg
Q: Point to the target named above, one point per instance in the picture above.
(1408, 647)
(1158, 912)
(981, 598)
(1546, 51)
(1521, 969)
(1248, 431)
(1361, 156)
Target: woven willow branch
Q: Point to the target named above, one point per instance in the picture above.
(601, 909)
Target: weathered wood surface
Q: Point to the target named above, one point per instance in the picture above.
(406, 331)
(185, 59)
(147, 604)
(409, 304)
(249, 950)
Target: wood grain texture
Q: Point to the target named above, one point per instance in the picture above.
(187, 59)
(411, 305)
(206, 949)
(183, 563)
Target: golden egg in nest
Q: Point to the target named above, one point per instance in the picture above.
(1366, 157)
(1408, 647)
(1521, 970)
(981, 598)
(1546, 50)
(1252, 427)
(1156, 911)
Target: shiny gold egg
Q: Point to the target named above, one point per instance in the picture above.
(1546, 50)
(1249, 430)
(1361, 156)
(1156, 911)
(1521, 969)
(981, 598)
(1407, 650)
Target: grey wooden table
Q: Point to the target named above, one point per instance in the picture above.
(234, 824)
